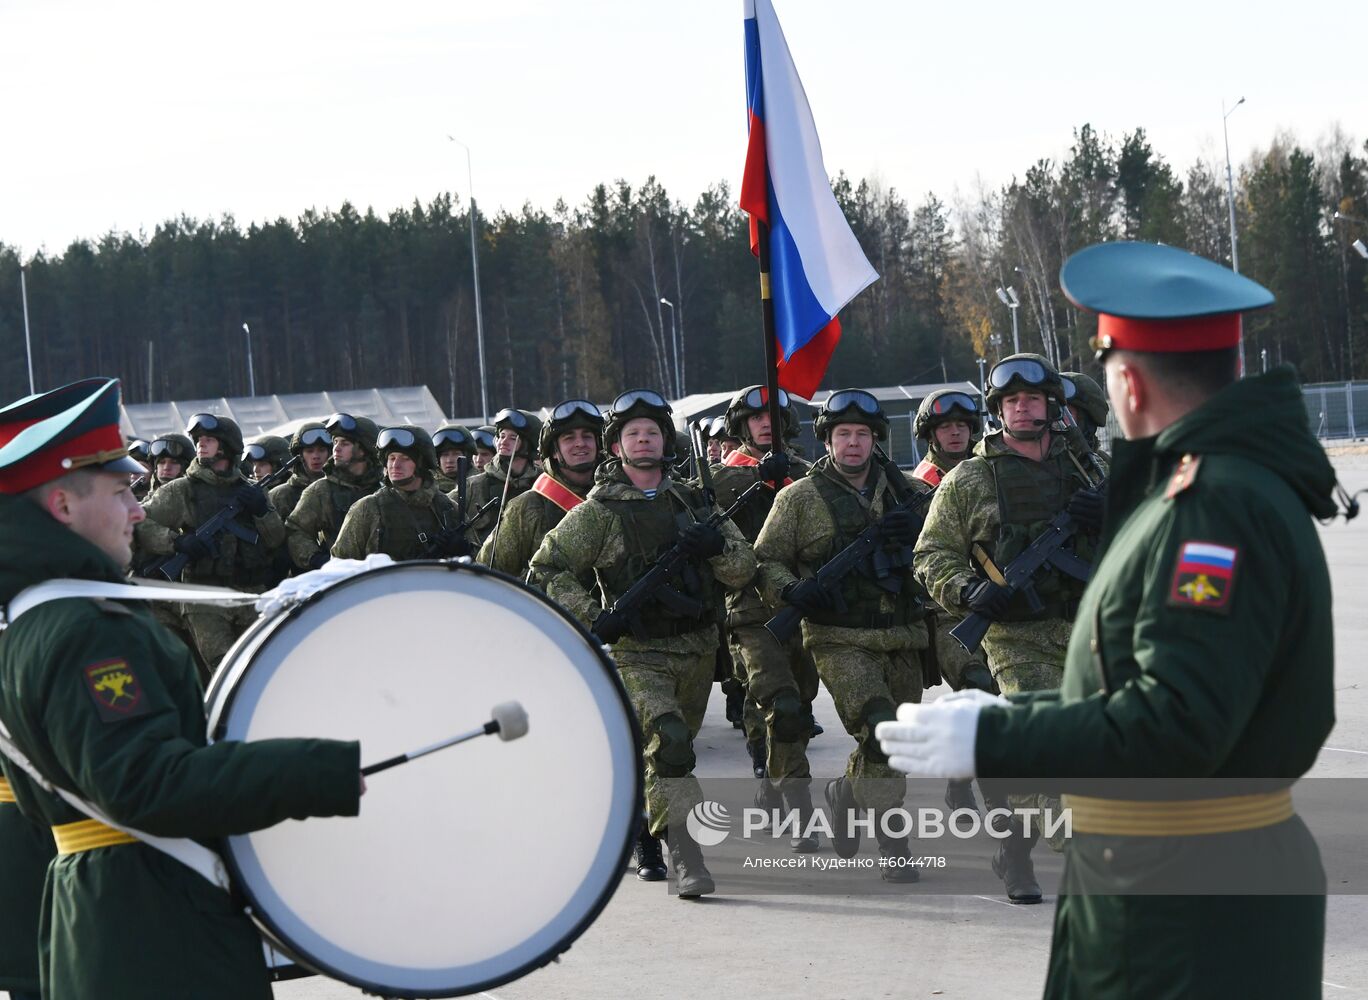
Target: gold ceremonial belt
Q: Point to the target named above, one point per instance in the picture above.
(1178, 818)
(86, 835)
(6, 792)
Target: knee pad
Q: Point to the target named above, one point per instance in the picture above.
(674, 755)
(789, 719)
(875, 710)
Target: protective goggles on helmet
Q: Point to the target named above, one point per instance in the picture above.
(758, 399)
(315, 435)
(856, 399)
(1070, 389)
(566, 410)
(717, 428)
(202, 423)
(255, 453)
(452, 437)
(166, 449)
(137, 448)
(343, 422)
(951, 401)
(639, 397)
(1026, 370)
(513, 418)
(395, 437)
(484, 441)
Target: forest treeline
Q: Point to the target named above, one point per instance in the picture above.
(571, 295)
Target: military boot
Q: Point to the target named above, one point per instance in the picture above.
(1013, 865)
(650, 859)
(692, 878)
(959, 794)
(768, 799)
(758, 754)
(736, 704)
(894, 854)
(798, 802)
(840, 799)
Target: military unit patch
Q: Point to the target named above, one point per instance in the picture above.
(1183, 476)
(115, 689)
(1204, 576)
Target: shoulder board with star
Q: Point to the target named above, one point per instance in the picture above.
(1183, 476)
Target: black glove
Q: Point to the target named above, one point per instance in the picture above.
(1085, 507)
(987, 598)
(609, 627)
(900, 527)
(807, 596)
(452, 544)
(317, 560)
(978, 677)
(253, 500)
(702, 540)
(774, 467)
(193, 546)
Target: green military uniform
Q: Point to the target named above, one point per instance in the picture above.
(1171, 676)
(285, 497)
(183, 505)
(613, 538)
(127, 921)
(25, 849)
(399, 523)
(490, 484)
(526, 522)
(313, 525)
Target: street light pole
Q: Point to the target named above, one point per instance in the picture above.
(251, 374)
(1008, 297)
(1230, 202)
(475, 278)
(28, 340)
(674, 341)
(1362, 252)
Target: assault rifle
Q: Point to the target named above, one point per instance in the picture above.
(224, 519)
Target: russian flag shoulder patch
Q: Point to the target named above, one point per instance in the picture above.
(1204, 576)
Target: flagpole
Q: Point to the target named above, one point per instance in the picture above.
(771, 342)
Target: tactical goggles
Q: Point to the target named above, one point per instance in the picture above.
(254, 453)
(166, 449)
(137, 448)
(1070, 389)
(639, 397)
(758, 399)
(315, 435)
(344, 422)
(201, 423)
(484, 441)
(395, 437)
(717, 427)
(858, 399)
(566, 410)
(513, 418)
(1026, 370)
(452, 437)
(954, 401)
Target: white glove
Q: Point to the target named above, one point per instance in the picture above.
(978, 697)
(299, 588)
(935, 740)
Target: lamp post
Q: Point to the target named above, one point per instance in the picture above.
(674, 341)
(1230, 202)
(28, 341)
(475, 279)
(1008, 297)
(251, 375)
(1362, 251)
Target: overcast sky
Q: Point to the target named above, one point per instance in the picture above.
(120, 115)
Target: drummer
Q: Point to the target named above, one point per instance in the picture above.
(107, 705)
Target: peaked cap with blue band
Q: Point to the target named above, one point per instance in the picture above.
(44, 437)
(1150, 297)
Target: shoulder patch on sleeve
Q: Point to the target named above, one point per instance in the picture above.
(1204, 576)
(115, 690)
(1183, 476)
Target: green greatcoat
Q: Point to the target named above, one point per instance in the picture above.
(1236, 684)
(25, 849)
(127, 921)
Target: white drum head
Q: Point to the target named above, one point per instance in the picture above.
(427, 892)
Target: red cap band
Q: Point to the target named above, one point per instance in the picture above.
(1196, 333)
(46, 465)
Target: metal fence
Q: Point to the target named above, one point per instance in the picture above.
(1337, 410)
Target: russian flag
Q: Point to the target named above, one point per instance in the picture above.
(816, 264)
(1204, 557)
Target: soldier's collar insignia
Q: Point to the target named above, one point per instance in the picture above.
(1183, 476)
(1204, 576)
(115, 689)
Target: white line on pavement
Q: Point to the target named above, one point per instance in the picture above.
(1326, 982)
(1343, 750)
(1000, 902)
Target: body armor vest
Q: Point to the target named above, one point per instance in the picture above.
(236, 564)
(409, 531)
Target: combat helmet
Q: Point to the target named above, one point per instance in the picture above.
(945, 405)
(851, 406)
(223, 429)
(566, 416)
(453, 437)
(527, 425)
(1083, 392)
(1022, 371)
(641, 403)
(414, 442)
(309, 433)
(749, 402)
(269, 448)
(361, 431)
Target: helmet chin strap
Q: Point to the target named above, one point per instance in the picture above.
(1034, 434)
(643, 463)
(401, 483)
(854, 470)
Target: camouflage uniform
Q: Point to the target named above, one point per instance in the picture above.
(182, 505)
(668, 675)
(488, 485)
(869, 668)
(525, 523)
(402, 524)
(285, 497)
(317, 518)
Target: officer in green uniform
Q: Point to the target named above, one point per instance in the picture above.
(633, 515)
(354, 472)
(571, 448)
(451, 441)
(313, 444)
(108, 706)
(780, 682)
(1088, 405)
(408, 517)
(510, 474)
(868, 638)
(175, 510)
(1203, 650)
(170, 455)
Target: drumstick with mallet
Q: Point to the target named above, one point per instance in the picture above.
(509, 722)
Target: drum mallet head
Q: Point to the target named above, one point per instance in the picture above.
(509, 721)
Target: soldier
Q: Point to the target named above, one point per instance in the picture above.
(107, 706)
(170, 455)
(451, 442)
(1088, 405)
(353, 472)
(1203, 649)
(266, 455)
(987, 510)
(407, 517)
(313, 444)
(633, 515)
(137, 450)
(868, 654)
(174, 512)
(518, 435)
(485, 446)
(779, 682)
(571, 448)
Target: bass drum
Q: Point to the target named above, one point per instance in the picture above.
(426, 893)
